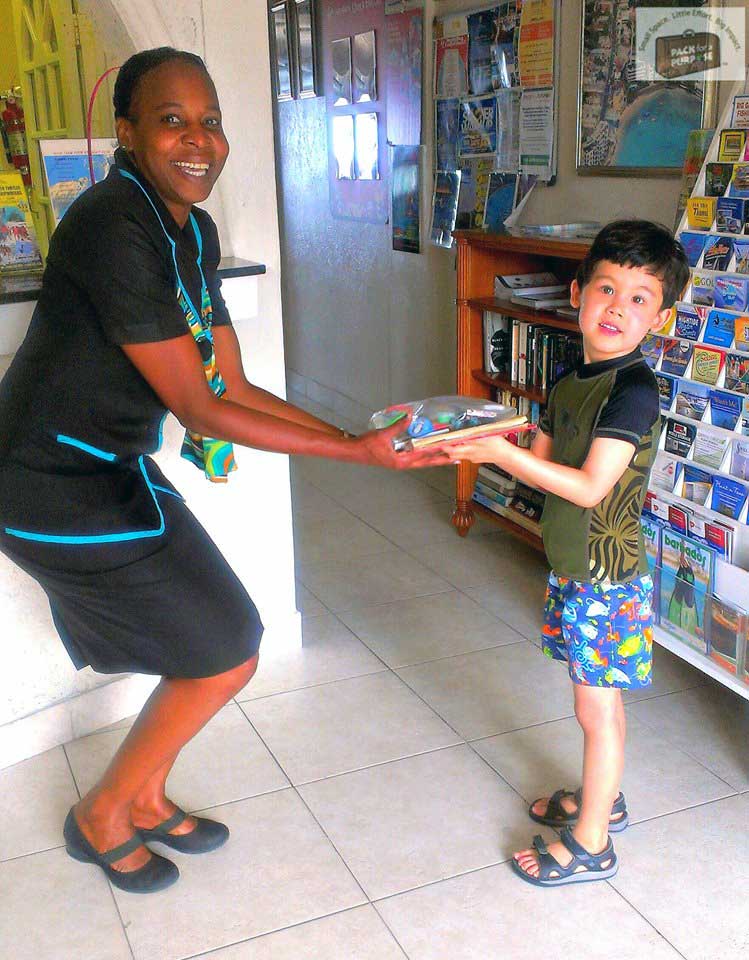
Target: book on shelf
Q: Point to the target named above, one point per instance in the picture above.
(504, 284)
(542, 301)
(496, 343)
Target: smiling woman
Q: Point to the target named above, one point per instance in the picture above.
(131, 324)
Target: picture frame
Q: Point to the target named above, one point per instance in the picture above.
(305, 48)
(281, 51)
(621, 128)
(293, 48)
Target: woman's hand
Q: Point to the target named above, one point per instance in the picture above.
(377, 450)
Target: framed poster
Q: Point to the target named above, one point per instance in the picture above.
(630, 121)
(279, 31)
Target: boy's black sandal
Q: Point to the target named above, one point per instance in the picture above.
(157, 874)
(557, 816)
(208, 834)
(552, 874)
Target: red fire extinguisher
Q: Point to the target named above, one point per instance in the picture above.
(15, 128)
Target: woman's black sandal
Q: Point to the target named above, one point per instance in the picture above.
(582, 868)
(557, 816)
(157, 874)
(207, 835)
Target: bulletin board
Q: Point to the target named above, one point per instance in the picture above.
(495, 111)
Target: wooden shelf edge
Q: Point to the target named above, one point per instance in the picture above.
(501, 383)
(562, 248)
(544, 318)
(508, 524)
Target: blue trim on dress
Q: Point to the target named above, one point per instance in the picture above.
(102, 537)
(86, 447)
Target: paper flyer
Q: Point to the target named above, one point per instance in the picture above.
(451, 67)
(66, 169)
(444, 207)
(406, 190)
(19, 250)
(477, 136)
(536, 44)
(537, 132)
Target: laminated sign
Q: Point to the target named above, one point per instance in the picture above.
(685, 53)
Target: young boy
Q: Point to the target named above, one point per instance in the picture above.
(592, 455)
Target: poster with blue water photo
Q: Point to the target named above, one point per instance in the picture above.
(67, 172)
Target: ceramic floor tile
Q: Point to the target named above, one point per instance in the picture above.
(413, 524)
(670, 674)
(335, 538)
(493, 691)
(477, 560)
(383, 578)
(35, 796)
(709, 722)
(226, 761)
(307, 603)
(309, 501)
(441, 478)
(357, 934)
(355, 486)
(658, 779)
(277, 869)
(427, 628)
(492, 914)
(53, 908)
(688, 874)
(329, 652)
(404, 824)
(518, 601)
(330, 729)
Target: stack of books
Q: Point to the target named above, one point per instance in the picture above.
(507, 496)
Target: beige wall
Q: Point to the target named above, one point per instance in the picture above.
(365, 325)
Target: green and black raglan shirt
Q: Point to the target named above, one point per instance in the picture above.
(617, 399)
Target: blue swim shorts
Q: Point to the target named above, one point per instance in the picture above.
(603, 630)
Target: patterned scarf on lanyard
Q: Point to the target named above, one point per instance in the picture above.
(214, 457)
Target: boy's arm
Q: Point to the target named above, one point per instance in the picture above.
(586, 487)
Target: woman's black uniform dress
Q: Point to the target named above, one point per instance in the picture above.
(134, 582)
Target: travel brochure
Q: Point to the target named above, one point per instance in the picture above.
(67, 171)
(19, 250)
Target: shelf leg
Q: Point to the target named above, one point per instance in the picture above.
(463, 517)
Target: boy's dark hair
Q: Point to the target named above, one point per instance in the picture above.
(640, 243)
(136, 67)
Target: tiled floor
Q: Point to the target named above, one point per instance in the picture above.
(376, 782)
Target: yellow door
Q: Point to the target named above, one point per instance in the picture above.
(59, 62)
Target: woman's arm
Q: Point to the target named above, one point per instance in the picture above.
(241, 391)
(174, 370)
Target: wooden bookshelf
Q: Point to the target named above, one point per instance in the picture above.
(481, 257)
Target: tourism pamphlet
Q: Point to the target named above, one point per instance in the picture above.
(737, 372)
(67, 171)
(707, 364)
(730, 214)
(740, 459)
(679, 437)
(686, 583)
(741, 251)
(718, 253)
(688, 322)
(741, 334)
(702, 288)
(717, 178)
(651, 349)
(727, 634)
(701, 212)
(710, 448)
(731, 292)
(694, 244)
(697, 484)
(19, 251)
(719, 329)
(725, 409)
(692, 399)
(729, 496)
(666, 389)
(663, 473)
(676, 357)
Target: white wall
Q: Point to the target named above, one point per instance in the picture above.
(366, 326)
(43, 700)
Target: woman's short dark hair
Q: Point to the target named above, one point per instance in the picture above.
(136, 67)
(640, 243)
